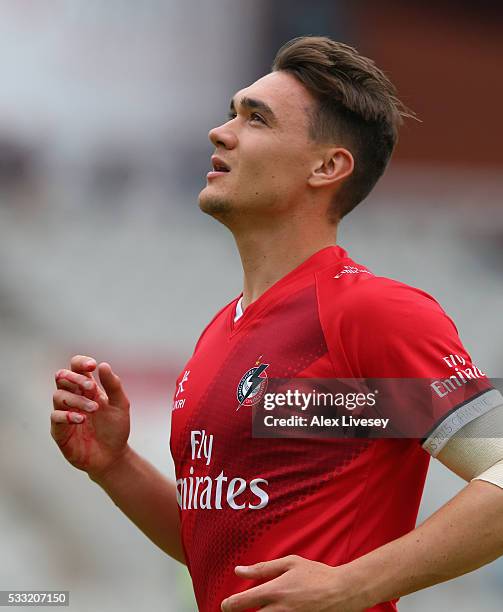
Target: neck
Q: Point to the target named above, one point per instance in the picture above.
(270, 253)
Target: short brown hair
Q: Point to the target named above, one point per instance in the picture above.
(357, 107)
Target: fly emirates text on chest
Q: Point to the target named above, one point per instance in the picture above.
(205, 489)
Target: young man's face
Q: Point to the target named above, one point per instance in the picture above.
(266, 147)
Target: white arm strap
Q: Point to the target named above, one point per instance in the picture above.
(475, 452)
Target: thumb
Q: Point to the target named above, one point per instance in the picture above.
(264, 569)
(112, 386)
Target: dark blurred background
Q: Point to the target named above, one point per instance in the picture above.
(444, 57)
(104, 114)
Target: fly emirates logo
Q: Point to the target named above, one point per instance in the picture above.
(206, 493)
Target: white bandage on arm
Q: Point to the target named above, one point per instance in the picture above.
(475, 452)
(493, 474)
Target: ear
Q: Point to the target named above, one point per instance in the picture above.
(335, 165)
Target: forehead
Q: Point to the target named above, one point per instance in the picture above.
(288, 98)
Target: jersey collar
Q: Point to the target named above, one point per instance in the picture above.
(281, 288)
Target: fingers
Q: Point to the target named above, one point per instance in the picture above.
(63, 425)
(83, 364)
(262, 595)
(62, 400)
(256, 597)
(68, 418)
(61, 383)
(79, 379)
(76, 383)
(113, 386)
(76, 389)
(266, 569)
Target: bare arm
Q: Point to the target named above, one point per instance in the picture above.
(90, 424)
(467, 532)
(460, 537)
(147, 498)
(463, 535)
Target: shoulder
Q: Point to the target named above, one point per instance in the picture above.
(352, 294)
(383, 327)
(359, 309)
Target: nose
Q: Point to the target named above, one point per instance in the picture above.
(223, 136)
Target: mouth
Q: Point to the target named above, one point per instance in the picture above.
(219, 167)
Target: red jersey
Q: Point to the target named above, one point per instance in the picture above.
(243, 499)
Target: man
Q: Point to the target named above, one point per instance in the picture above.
(302, 524)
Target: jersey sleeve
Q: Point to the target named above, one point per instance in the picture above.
(401, 342)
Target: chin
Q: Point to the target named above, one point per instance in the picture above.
(214, 205)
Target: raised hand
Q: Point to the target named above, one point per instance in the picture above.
(90, 423)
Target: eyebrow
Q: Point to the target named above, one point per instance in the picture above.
(256, 105)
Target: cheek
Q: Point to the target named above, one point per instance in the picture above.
(285, 173)
(254, 175)
(270, 170)
(276, 168)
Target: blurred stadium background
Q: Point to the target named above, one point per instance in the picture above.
(104, 114)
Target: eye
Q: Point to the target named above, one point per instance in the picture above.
(253, 117)
(257, 117)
